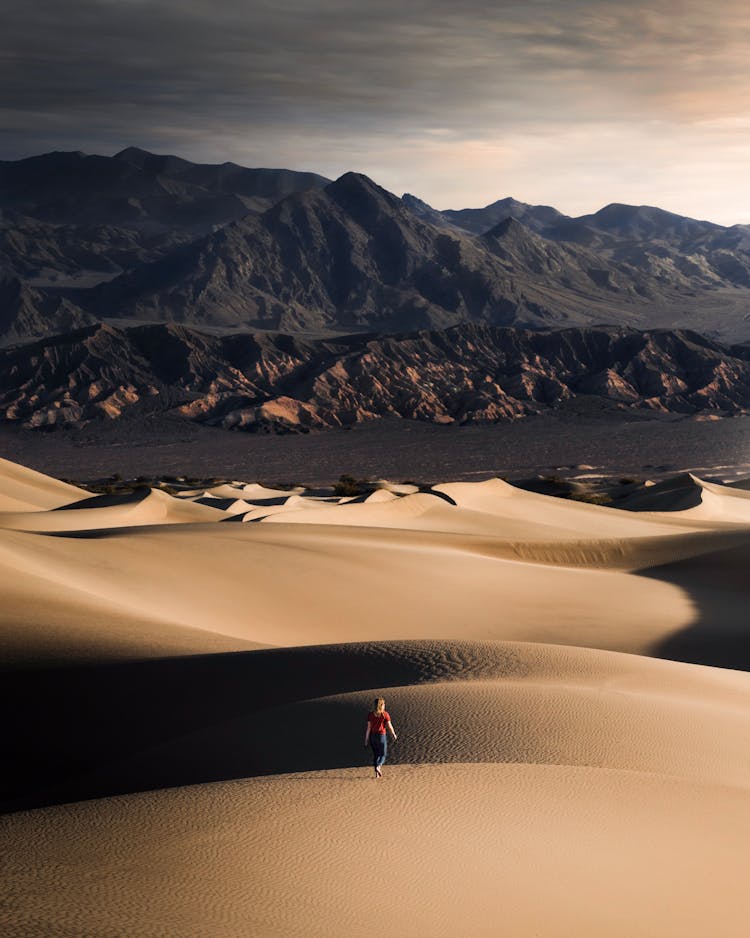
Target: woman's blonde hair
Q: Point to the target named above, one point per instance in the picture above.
(379, 705)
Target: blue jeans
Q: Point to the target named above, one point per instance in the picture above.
(379, 745)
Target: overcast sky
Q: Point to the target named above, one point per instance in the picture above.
(574, 103)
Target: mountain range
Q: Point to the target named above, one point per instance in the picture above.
(156, 238)
(469, 373)
(69, 221)
(271, 299)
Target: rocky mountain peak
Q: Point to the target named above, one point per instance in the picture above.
(361, 197)
(509, 228)
(647, 221)
(133, 155)
(416, 204)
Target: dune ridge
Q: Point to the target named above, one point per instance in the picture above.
(25, 489)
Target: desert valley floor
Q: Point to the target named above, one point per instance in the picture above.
(186, 676)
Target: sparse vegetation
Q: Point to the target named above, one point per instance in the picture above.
(102, 489)
(592, 498)
(348, 486)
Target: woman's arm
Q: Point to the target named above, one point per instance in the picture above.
(389, 725)
(367, 733)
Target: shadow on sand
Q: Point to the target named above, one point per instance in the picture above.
(84, 732)
(717, 584)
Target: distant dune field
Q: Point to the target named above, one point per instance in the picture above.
(186, 678)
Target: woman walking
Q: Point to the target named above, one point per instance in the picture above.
(378, 721)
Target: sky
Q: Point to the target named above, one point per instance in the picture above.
(571, 103)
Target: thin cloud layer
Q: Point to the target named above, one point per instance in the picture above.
(461, 103)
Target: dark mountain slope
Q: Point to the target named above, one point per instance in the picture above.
(69, 219)
(26, 312)
(536, 217)
(346, 256)
(646, 223)
(479, 220)
(136, 186)
(679, 253)
(353, 255)
(157, 238)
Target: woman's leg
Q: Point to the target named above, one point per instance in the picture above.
(379, 749)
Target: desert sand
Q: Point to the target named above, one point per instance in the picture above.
(187, 678)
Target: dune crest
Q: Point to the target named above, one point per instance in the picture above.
(23, 489)
(108, 512)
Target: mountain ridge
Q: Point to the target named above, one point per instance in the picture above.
(151, 237)
(352, 255)
(260, 382)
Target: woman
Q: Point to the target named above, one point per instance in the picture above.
(378, 721)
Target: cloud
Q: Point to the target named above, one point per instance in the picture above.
(320, 83)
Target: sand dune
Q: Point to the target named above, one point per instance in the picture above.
(459, 850)
(428, 570)
(472, 561)
(519, 516)
(517, 786)
(396, 488)
(554, 773)
(457, 701)
(107, 512)
(23, 489)
(293, 584)
(250, 491)
(688, 498)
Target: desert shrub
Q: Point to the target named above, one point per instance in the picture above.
(169, 489)
(592, 498)
(347, 486)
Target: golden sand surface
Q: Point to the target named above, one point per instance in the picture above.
(458, 849)
(570, 760)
